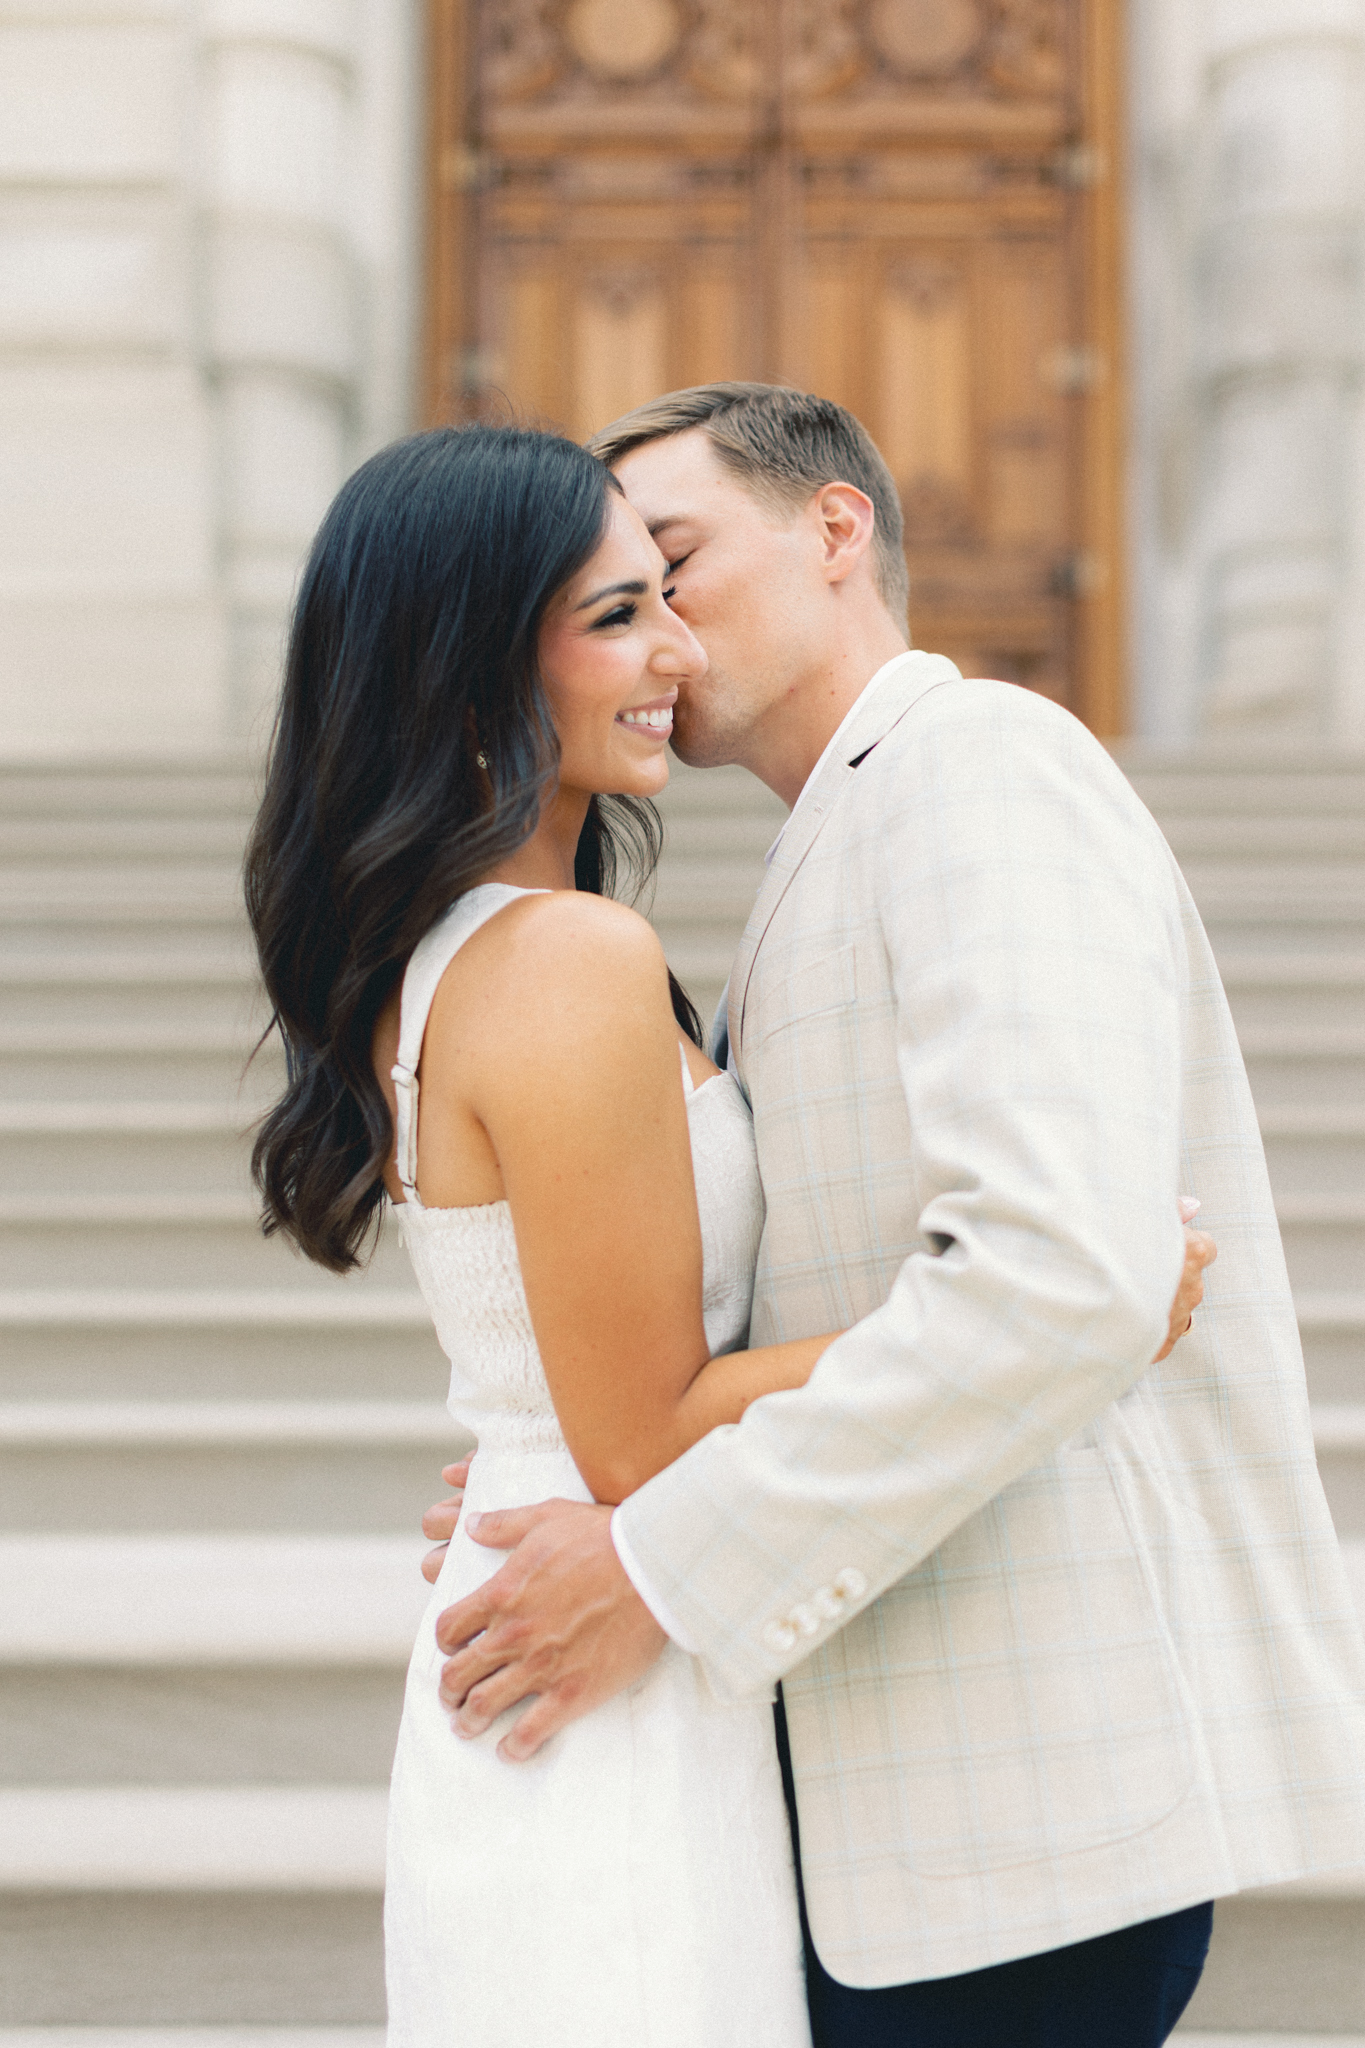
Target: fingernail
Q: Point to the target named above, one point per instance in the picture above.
(472, 1521)
(1189, 1206)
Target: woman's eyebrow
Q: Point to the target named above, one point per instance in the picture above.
(635, 589)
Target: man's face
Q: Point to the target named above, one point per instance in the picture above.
(744, 579)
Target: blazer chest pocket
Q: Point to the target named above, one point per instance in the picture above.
(819, 988)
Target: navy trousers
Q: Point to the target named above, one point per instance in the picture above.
(1121, 1990)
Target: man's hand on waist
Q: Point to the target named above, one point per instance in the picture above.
(560, 1621)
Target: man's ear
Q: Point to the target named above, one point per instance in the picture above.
(846, 519)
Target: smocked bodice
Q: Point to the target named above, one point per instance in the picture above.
(466, 1259)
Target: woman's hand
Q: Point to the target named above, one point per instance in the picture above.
(439, 1522)
(1200, 1251)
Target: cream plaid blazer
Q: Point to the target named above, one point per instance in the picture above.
(1065, 1638)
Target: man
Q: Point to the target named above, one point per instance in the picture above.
(1064, 1639)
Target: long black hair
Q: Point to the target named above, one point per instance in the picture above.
(413, 649)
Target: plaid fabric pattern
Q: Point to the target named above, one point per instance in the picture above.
(1065, 1637)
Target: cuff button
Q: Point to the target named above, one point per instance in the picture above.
(780, 1636)
(850, 1582)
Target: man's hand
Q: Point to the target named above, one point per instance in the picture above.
(1200, 1251)
(560, 1620)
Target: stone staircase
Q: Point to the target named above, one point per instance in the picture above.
(212, 1456)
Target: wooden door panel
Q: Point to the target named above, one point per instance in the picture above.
(908, 205)
(925, 376)
(620, 354)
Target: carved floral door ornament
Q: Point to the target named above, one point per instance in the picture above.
(906, 204)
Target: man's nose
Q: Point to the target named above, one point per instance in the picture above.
(680, 653)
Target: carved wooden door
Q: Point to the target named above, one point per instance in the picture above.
(907, 205)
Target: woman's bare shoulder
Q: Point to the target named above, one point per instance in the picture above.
(562, 966)
(567, 933)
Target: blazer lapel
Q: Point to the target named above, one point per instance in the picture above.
(885, 708)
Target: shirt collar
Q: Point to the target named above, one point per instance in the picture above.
(854, 708)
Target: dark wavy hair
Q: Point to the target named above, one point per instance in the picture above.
(413, 648)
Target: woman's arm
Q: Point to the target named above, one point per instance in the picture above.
(562, 1045)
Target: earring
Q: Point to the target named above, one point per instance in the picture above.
(482, 760)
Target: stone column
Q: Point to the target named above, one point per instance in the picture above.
(1251, 162)
(111, 624)
(1279, 278)
(281, 302)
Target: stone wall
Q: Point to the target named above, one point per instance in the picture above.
(207, 219)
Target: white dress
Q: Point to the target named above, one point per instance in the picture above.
(631, 1886)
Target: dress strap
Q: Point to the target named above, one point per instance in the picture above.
(430, 958)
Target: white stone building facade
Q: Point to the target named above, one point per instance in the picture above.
(207, 278)
(210, 222)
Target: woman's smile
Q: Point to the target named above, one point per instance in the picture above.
(654, 718)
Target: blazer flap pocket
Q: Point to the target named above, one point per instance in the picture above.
(828, 983)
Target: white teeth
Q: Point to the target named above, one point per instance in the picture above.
(654, 719)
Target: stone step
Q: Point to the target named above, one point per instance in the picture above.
(203, 1838)
(190, 1958)
(121, 930)
(215, 989)
(1313, 834)
(193, 1959)
(1303, 1066)
(194, 1309)
(367, 1467)
(186, 1240)
(1196, 784)
(1313, 1152)
(208, 889)
(79, 1347)
(1285, 1963)
(1339, 1435)
(1237, 927)
(1266, 989)
(147, 789)
(125, 840)
(212, 1725)
(1324, 1236)
(205, 2037)
(87, 1149)
(157, 1602)
(138, 1062)
(223, 962)
(1332, 1326)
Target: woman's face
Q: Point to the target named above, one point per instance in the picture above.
(612, 657)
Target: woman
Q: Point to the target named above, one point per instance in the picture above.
(483, 656)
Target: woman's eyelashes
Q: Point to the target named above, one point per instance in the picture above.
(619, 615)
(625, 614)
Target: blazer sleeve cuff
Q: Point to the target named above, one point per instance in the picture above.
(653, 1599)
(722, 1598)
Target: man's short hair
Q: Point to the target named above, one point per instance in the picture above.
(783, 445)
